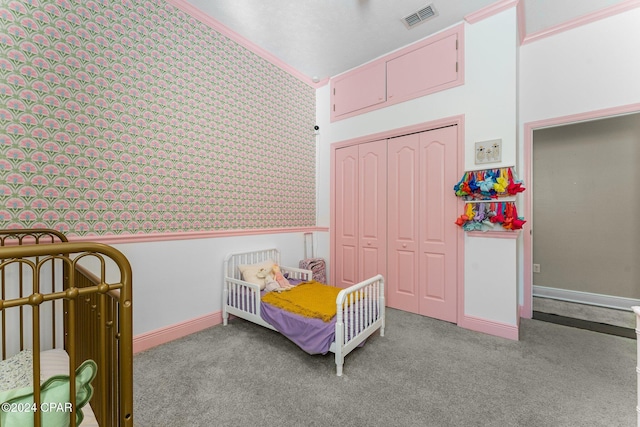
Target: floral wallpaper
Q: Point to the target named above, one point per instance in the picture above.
(126, 117)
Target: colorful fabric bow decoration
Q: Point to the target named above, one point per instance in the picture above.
(462, 188)
(517, 222)
(462, 219)
(508, 217)
(514, 186)
(481, 213)
(488, 184)
(498, 217)
(473, 226)
(473, 185)
(470, 212)
(501, 182)
(484, 216)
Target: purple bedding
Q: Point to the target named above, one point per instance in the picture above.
(312, 335)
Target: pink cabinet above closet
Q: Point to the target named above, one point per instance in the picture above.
(423, 70)
(365, 87)
(428, 66)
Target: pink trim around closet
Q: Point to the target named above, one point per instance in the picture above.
(435, 124)
(497, 329)
(583, 20)
(495, 234)
(522, 21)
(526, 310)
(222, 29)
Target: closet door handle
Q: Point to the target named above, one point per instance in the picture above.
(404, 245)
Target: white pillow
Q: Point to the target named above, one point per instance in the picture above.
(16, 371)
(250, 272)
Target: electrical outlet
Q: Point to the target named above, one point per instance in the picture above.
(536, 268)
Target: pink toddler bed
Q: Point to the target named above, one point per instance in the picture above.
(359, 309)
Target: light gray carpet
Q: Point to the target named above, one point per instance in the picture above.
(423, 372)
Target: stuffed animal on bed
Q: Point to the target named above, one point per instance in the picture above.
(279, 282)
(264, 274)
(282, 281)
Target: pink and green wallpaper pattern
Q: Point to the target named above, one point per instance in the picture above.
(127, 117)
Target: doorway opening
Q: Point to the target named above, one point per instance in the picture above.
(580, 263)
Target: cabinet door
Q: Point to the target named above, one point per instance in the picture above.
(358, 89)
(346, 217)
(373, 209)
(423, 70)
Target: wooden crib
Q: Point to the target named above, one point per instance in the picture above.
(76, 297)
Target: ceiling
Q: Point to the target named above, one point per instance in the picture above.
(323, 38)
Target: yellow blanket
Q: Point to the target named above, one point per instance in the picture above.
(309, 299)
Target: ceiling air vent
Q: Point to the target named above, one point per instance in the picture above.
(419, 16)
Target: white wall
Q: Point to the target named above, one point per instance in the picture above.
(487, 99)
(179, 280)
(592, 67)
(586, 173)
(589, 68)
(493, 273)
(323, 166)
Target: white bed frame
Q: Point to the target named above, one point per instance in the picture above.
(350, 318)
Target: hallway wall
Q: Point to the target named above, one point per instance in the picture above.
(584, 199)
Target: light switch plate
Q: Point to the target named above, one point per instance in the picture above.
(488, 151)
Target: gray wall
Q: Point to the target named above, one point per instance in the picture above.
(586, 206)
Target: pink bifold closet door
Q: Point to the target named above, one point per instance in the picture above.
(438, 233)
(346, 220)
(422, 236)
(403, 161)
(372, 209)
(361, 207)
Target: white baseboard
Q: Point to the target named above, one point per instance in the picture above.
(600, 300)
